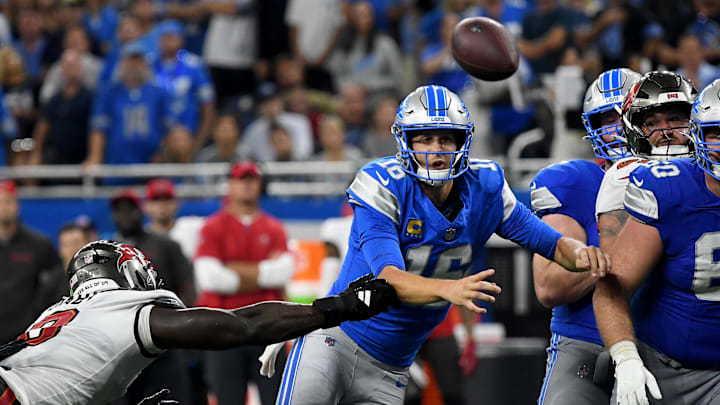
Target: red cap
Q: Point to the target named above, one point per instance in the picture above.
(159, 188)
(242, 169)
(127, 194)
(8, 187)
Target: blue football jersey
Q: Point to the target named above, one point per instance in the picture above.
(391, 205)
(134, 121)
(570, 188)
(677, 310)
(187, 79)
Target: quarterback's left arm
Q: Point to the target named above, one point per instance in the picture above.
(522, 227)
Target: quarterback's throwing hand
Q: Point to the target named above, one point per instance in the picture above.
(365, 297)
(463, 291)
(591, 258)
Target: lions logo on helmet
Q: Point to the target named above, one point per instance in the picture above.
(106, 264)
(429, 108)
(606, 93)
(705, 121)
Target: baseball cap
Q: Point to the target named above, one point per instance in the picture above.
(159, 188)
(243, 169)
(170, 27)
(8, 187)
(133, 48)
(125, 195)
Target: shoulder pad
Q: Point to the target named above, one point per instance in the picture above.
(556, 187)
(647, 193)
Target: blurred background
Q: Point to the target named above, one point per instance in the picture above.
(113, 107)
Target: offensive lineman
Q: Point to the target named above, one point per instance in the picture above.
(90, 346)
(418, 217)
(563, 195)
(667, 251)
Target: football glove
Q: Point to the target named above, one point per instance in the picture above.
(159, 398)
(631, 376)
(365, 297)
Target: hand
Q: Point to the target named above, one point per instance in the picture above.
(593, 259)
(631, 375)
(462, 292)
(268, 358)
(364, 298)
(468, 358)
(159, 398)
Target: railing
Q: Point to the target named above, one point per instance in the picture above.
(311, 178)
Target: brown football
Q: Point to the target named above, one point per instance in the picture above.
(485, 48)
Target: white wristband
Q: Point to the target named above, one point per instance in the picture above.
(275, 273)
(624, 350)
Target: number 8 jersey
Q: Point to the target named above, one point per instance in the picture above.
(677, 309)
(85, 349)
(396, 224)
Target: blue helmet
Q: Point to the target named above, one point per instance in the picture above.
(604, 94)
(705, 113)
(428, 108)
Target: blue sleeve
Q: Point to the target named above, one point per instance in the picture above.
(566, 188)
(528, 231)
(378, 239)
(205, 91)
(9, 126)
(169, 115)
(100, 118)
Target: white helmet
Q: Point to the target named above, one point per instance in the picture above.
(706, 113)
(428, 108)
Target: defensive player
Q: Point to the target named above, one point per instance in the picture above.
(669, 248)
(90, 346)
(658, 100)
(564, 195)
(418, 217)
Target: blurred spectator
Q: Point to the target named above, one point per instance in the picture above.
(437, 63)
(380, 141)
(231, 47)
(20, 99)
(5, 32)
(71, 237)
(315, 27)
(706, 27)
(130, 118)
(185, 76)
(352, 107)
(8, 129)
(161, 206)
(28, 267)
(225, 147)
(242, 259)
(76, 40)
(169, 370)
(693, 64)
(30, 43)
(367, 56)
(273, 36)
(61, 134)
(128, 31)
(281, 143)
(177, 146)
(289, 72)
(331, 133)
(546, 33)
(257, 139)
(101, 20)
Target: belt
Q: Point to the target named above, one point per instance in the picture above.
(7, 396)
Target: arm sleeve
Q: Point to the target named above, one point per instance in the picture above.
(211, 275)
(100, 118)
(205, 90)
(528, 231)
(143, 334)
(379, 242)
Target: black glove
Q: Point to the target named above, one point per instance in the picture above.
(365, 297)
(159, 398)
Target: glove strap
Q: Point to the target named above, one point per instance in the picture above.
(624, 350)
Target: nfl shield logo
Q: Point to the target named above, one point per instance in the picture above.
(449, 234)
(88, 258)
(330, 341)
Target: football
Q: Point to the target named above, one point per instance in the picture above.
(485, 48)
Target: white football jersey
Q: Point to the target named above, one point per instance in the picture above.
(612, 190)
(86, 349)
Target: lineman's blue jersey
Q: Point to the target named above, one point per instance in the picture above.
(396, 224)
(677, 310)
(570, 188)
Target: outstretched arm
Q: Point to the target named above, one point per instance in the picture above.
(267, 322)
